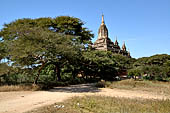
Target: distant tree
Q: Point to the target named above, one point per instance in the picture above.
(134, 73)
(154, 67)
(124, 62)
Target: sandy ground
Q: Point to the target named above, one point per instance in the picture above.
(22, 101)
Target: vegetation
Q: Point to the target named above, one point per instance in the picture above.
(102, 104)
(23, 87)
(57, 51)
(156, 67)
(52, 50)
(45, 52)
(157, 87)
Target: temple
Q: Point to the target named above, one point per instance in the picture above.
(103, 42)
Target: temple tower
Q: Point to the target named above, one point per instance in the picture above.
(103, 41)
(103, 31)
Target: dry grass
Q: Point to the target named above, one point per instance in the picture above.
(130, 84)
(102, 104)
(8, 88)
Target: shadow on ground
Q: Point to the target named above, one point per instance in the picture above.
(80, 88)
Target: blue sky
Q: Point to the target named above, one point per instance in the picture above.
(144, 25)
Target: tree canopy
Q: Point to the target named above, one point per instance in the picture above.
(36, 43)
(155, 67)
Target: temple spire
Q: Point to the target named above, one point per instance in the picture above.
(129, 53)
(124, 46)
(116, 42)
(103, 32)
(102, 19)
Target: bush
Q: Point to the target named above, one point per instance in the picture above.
(103, 84)
(13, 79)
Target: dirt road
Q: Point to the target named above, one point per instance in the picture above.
(22, 101)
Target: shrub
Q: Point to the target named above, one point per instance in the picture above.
(103, 84)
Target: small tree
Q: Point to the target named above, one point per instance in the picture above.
(134, 73)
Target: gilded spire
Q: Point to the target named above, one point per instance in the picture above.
(102, 19)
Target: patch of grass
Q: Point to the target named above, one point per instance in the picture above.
(150, 86)
(30, 87)
(103, 104)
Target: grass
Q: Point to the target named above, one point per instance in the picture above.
(130, 84)
(30, 87)
(103, 104)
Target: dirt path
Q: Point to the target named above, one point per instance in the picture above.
(19, 102)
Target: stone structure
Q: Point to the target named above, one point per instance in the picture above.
(103, 42)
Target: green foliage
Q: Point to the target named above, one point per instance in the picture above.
(134, 73)
(17, 76)
(62, 24)
(72, 26)
(154, 68)
(2, 50)
(99, 63)
(4, 69)
(124, 62)
(37, 43)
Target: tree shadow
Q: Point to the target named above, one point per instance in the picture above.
(80, 88)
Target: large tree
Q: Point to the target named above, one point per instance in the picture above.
(36, 43)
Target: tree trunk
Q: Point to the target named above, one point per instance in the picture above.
(74, 74)
(57, 71)
(54, 76)
(39, 71)
(135, 77)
